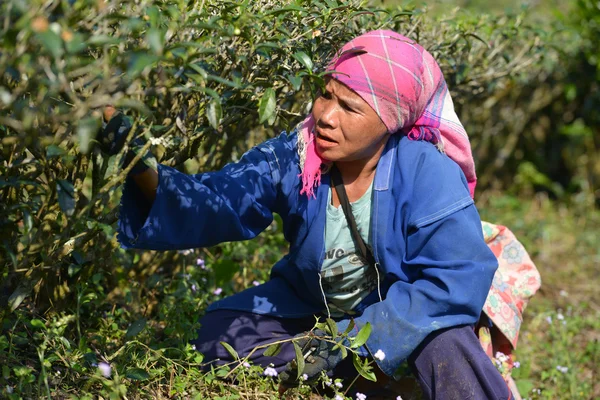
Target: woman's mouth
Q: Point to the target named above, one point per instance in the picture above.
(324, 142)
(325, 138)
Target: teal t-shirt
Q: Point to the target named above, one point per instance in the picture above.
(346, 276)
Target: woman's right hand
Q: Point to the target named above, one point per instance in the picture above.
(115, 128)
(111, 139)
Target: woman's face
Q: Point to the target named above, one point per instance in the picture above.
(346, 127)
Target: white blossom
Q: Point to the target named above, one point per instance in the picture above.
(360, 396)
(562, 369)
(104, 369)
(379, 354)
(269, 371)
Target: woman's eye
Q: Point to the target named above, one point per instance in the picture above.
(346, 107)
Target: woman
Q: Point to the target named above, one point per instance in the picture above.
(385, 125)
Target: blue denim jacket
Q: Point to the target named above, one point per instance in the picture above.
(426, 237)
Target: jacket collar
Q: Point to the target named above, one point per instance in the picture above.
(383, 175)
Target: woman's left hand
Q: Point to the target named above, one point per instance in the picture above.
(319, 355)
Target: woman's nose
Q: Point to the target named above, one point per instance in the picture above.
(328, 116)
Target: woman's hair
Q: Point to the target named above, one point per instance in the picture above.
(402, 82)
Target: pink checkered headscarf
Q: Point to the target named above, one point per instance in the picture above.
(404, 85)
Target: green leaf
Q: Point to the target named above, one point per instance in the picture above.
(66, 196)
(304, 59)
(273, 350)
(76, 44)
(296, 81)
(285, 10)
(18, 296)
(137, 374)
(333, 329)
(299, 360)
(230, 350)
(155, 39)
(223, 81)
(135, 328)
(139, 62)
(54, 151)
(37, 323)
(343, 350)
(52, 42)
(362, 336)
(87, 129)
(214, 113)
(266, 106)
(362, 368)
(73, 269)
(99, 40)
(350, 326)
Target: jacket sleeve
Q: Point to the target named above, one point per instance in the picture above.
(234, 203)
(447, 268)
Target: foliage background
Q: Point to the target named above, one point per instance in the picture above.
(206, 80)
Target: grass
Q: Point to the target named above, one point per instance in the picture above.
(559, 347)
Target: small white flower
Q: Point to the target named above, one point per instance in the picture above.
(516, 364)
(339, 385)
(246, 364)
(338, 397)
(104, 369)
(564, 293)
(193, 347)
(500, 356)
(562, 369)
(304, 377)
(269, 371)
(380, 355)
(255, 283)
(194, 288)
(549, 319)
(399, 398)
(9, 389)
(328, 382)
(560, 317)
(200, 263)
(217, 291)
(360, 396)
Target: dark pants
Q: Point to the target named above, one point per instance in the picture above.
(448, 364)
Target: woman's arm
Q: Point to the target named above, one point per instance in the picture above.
(234, 203)
(445, 269)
